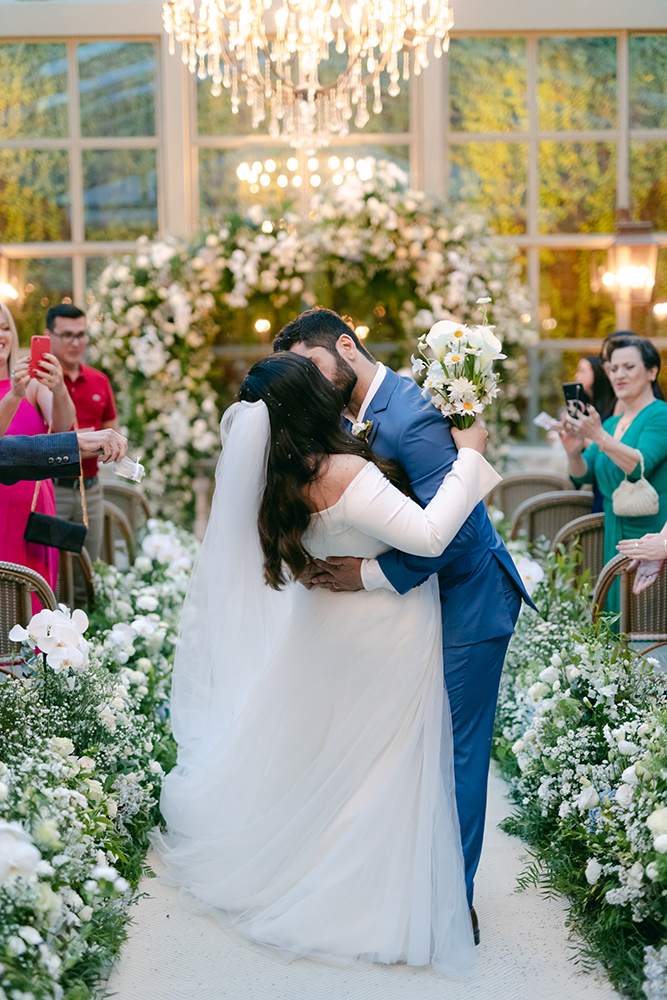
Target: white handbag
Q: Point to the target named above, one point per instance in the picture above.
(635, 499)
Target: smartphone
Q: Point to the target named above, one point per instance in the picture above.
(575, 398)
(39, 346)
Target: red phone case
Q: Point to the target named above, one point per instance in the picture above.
(39, 346)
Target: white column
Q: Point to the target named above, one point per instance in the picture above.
(173, 110)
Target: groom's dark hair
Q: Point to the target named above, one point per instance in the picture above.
(317, 328)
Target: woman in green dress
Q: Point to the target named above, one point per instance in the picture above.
(619, 444)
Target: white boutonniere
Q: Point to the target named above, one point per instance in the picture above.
(362, 430)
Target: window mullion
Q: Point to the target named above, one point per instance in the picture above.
(623, 151)
(76, 167)
(533, 179)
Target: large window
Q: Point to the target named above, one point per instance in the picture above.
(237, 166)
(79, 151)
(548, 136)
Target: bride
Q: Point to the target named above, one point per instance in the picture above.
(312, 807)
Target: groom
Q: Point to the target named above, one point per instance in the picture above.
(480, 589)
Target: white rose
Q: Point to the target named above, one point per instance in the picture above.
(629, 776)
(657, 821)
(112, 808)
(62, 745)
(31, 935)
(121, 885)
(143, 564)
(627, 749)
(4, 791)
(18, 855)
(572, 672)
(85, 914)
(652, 871)
(155, 767)
(593, 871)
(549, 675)
(143, 664)
(624, 795)
(556, 661)
(95, 790)
(146, 602)
(86, 763)
(15, 945)
(537, 690)
(660, 843)
(587, 798)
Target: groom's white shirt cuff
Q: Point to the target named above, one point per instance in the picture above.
(372, 576)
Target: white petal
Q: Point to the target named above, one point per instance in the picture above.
(19, 634)
(80, 619)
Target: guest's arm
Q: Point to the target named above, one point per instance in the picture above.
(49, 394)
(590, 426)
(12, 400)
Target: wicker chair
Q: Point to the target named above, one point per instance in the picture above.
(587, 533)
(17, 585)
(130, 501)
(515, 489)
(643, 616)
(75, 570)
(548, 513)
(115, 524)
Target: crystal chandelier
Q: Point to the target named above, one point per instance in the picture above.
(274, 52)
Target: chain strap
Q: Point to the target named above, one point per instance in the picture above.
(82, 489)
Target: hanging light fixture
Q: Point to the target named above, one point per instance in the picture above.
(275, 51)
(632, 260)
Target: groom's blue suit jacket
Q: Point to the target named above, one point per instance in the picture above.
(473, 568)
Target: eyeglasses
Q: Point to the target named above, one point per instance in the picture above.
(71, 338)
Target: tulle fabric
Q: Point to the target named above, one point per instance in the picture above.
(314, 809)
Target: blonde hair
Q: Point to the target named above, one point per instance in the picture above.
(14, 349)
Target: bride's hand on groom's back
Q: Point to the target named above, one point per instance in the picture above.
(474, 437)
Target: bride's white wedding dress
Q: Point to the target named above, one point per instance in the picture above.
(313, 804)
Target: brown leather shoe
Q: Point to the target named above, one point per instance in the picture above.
(475, 924)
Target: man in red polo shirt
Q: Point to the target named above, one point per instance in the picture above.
(95, 410)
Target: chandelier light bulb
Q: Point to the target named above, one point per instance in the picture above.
(265, 180)
(312, 163)
(270, 166)
(296, 181)
(292, 163)
(242, 171)
(273, 61)
(251, 177)
(282, 181)
(338, 179)
(315, 180)
(257, 167)
(334, 163)
(267, 226)
(348, 163)
(660, 310)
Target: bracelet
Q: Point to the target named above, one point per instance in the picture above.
(604, 441)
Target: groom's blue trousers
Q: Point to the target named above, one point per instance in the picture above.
(472, 679)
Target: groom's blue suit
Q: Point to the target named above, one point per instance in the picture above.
(480, 593)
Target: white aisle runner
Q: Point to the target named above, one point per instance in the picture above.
(173, 954)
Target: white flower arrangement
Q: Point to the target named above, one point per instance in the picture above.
(85, 747)
(581, 734)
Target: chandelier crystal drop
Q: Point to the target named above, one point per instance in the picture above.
(272, 56)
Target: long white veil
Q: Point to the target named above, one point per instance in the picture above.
(231, 618)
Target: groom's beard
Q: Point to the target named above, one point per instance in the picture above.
(345, 379)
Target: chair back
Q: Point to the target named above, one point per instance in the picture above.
(17, 585)
(75, 574)
(587, 533)
(548, 513)
(643, 616)
(116, 529)
(516, 489)
(131, 501)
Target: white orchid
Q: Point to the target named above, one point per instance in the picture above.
(65, 658)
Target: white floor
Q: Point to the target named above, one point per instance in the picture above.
(173, 954)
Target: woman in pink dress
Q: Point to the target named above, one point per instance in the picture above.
(28, 406)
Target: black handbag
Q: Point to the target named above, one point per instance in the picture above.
(43, 529)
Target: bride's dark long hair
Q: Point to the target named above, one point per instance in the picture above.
(304, 413)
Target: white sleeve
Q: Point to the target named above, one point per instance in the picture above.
(373, 578)
(380, 510)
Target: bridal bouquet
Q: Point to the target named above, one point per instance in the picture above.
(460, 379)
